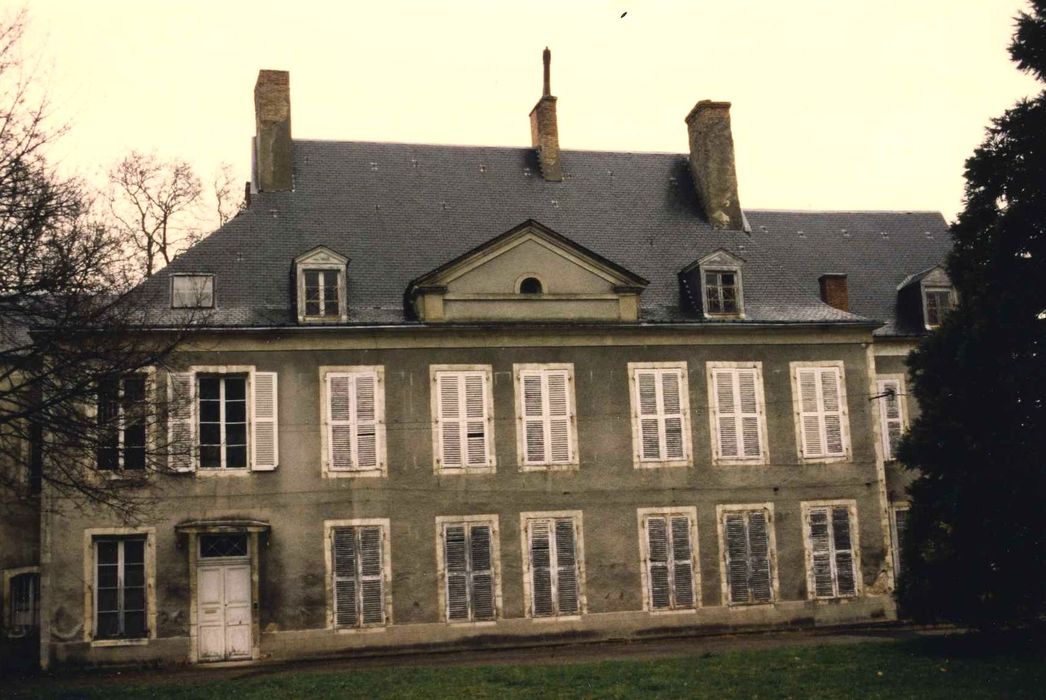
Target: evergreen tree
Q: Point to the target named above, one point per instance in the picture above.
(975, 547)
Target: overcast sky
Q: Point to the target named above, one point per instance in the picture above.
(859, 104)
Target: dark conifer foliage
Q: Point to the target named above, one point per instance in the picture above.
(975, 549)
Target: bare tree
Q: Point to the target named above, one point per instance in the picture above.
(153, 203)
(71, 322)
(225, 194)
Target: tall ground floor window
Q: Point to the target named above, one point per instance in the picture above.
(119, 588)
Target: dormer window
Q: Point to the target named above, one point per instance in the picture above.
(192, 291)
(712, 286)
(321, 275)
(530, 285)
(938, 304)
(721, 292)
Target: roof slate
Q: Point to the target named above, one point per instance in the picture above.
(399, 211)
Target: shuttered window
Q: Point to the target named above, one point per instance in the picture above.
(821, 411)
(554, 561)
(464, 420)
(830, 552)
(669, 561)
(469, 571)
(355, 434)
(660, 415)
(891, 415)
(748, 552)
(545, 415)
(900, 525)
(737, 410)
(358, 567)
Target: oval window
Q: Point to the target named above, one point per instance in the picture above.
(530, 285)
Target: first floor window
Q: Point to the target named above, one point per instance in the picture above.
(747, 555)
(891, 415)
(462, 406)
(119, 588)
(469, 571)
(820, 395)
(669, 560)
(222, 420)
(24, 604)
(355, 431)
(554, 562)
(830, 551)
(545, 412)
(358, 565)
(661, 415)
(737, 407)
(122, 415)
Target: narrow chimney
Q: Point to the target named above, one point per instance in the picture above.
(712, 163)
(834, 291)
(544, 134)
(273, 157)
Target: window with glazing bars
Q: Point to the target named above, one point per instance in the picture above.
(119, 589)
(122, 415)
(322, 298)
(222, 416)
(721, 292)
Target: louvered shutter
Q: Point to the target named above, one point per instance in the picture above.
(649, 423)
(726, 407)
(366, 420)
(736, 534)
(476, 413)
(462, 419)
(749, 415)
(481, 560)
(833, 416)
(658, 564)
(683, 563)
(821, 553)
(181, 421)
(265, 444)
(343, 552)
(811, 418)
(533, 417)
(450, 420)
(759, 552)
(541, 568)
(890, 416)
(566, 568)
(457, 572)
(339, 422)
(372, 593)
(900, 524)
(844, 555)
(558, 383)
(672, 412)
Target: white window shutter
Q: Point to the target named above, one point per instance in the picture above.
(726, 412)
(821, 553)
(343, 553)
(811, 418)
(749, 415)
(181, 421)
(842, 543)
(759, 552)
(672, 414)
(339, 421)
(649, 423)
(833, 416)
(534, 441)
(476, 419)
(891, 417)
(265, 446)
(366, 415)
(449, 420)
(481, 561)
(372, 585)
(542, 601)
(736, 535)
(559, 419)
(832, 560)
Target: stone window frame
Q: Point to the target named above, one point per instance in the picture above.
(637, 436)
(90, 571)
(721, 511)
(855, 549)
(495, 561)
(793, 372)
(382, 470)
(188, 275)
(713, 415)
(518, 401)
(488, 398)
(386, 572)
(579, 556)
(154, 427)
(642, 515)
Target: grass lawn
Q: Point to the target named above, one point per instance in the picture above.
(921, 668)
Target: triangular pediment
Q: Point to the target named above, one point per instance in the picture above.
(321, 255)
(528, 272)
(721, 257)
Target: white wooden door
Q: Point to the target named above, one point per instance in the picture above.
(224, 611)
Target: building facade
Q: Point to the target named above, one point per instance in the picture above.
(462, 396)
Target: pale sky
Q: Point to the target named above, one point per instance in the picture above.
(858, 104)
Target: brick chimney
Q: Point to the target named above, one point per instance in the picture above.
(712, 163)
(834, 291)
(273, 154)
(544, 134)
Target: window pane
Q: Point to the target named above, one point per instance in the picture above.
(107, 552)
(210, 457)
(134, 458)
(108, 625)
(107, 599)
(236, 434)
(236, 411)
(312, 308)
(209, 387)
(210, 434)
(235, 388)
(210, 411)
(236, 458)
(134, 624)
(133, 551)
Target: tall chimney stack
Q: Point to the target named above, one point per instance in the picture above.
(273, 156)
(544, 134)
(712, 163)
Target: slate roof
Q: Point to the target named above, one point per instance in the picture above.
(399, 211)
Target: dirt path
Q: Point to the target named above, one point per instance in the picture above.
(539, 655)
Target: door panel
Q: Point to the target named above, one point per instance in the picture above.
(238, 611)
(224, 611)
(210, 613)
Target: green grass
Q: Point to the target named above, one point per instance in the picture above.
(922, 668)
